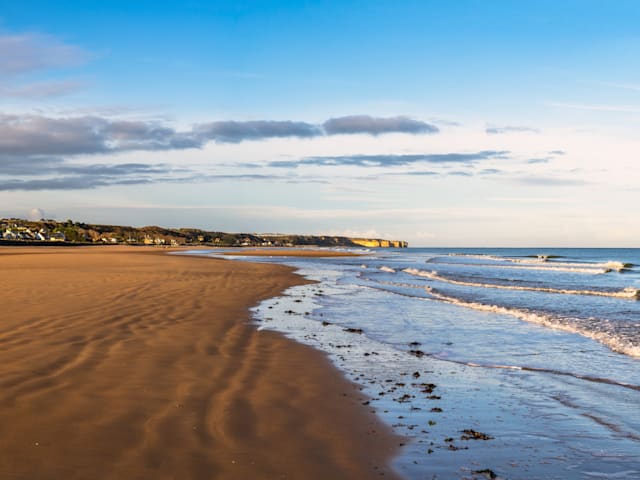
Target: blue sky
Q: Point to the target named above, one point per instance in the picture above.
(441, 123)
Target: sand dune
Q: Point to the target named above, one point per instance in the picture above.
(130, 364)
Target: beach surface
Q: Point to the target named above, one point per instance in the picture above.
(127, 363)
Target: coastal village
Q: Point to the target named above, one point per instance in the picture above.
(16, 231)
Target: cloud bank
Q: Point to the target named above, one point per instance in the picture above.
(33, 135)
(37, 151)
(235, 132)
(510, 129)
(392, 160)
(365, 124)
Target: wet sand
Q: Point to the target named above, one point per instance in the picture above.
(287, 252)
(127, 363)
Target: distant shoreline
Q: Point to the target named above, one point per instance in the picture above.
(16, 229)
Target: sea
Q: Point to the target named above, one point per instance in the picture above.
(491, 363)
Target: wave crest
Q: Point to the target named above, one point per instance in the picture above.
(628, 293)
(608, 333)
(555, 267)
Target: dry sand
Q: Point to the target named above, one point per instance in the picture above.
(124, 364)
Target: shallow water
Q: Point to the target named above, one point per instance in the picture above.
(551, 378)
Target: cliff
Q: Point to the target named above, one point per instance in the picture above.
(379, 243)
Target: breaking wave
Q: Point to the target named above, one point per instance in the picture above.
(618, 336)
(628, 293)
(592, 269)
(544, 259)
(610, 333)
(611, 266)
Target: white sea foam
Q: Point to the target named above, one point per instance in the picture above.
(520, 401)
(612, 334)
(593, 269)
(629, 292)
(544, 259)
(605, 332)
(612, 265)
(478, 256)
(384, 268)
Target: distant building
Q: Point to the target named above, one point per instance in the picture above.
(9, 234)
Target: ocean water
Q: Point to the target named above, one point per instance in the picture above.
(518, 363)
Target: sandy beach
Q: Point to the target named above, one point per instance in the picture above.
(127, 363)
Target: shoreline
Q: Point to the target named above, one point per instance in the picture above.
(113, 368)
(479, 394)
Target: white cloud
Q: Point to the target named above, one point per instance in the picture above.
(29, 52)
(35, 214)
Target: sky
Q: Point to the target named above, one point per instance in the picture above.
(442, 123)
